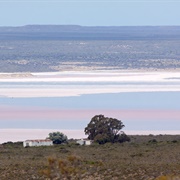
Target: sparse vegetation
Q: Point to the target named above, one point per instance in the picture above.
(153, 48)
(71, 168)
(135, 160)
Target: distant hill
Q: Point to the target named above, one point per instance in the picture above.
(75, 32)
(37, 48)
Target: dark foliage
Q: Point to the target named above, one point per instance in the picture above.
(58, 137)
(104, 129)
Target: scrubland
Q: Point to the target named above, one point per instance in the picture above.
(145, 157)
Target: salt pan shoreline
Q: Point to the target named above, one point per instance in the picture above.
(15, 135)
(79, 76)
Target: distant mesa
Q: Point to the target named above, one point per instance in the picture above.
(65, 32)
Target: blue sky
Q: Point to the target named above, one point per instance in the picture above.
(90, 12)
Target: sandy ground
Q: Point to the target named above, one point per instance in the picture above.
(14, 75)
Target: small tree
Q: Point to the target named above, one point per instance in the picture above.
(103, 129)
(57, 137)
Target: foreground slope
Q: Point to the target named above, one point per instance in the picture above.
(145, 157)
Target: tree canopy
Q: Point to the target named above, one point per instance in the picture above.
(57, 137)
(104, 129)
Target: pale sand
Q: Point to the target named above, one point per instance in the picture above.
(15, 75)
(92, 76)
(15, 135)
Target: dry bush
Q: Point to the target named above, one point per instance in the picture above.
(71, 168)
(168, 177)
(136, 160)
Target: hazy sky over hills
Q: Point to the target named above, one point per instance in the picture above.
(90, 12)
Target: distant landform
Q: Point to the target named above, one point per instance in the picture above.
(38, 48)
(75, 32)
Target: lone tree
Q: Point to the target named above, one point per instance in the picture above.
(104, 129)
(57, 137)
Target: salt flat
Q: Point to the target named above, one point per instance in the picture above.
(69, 76)
(168, 81)
(24, 134)
(147, 102)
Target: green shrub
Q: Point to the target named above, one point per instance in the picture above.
(152, 141)
(123, 138)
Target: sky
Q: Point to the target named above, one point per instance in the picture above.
(90, 12)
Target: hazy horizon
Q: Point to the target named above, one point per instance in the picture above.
(23, 25)
(90, 13)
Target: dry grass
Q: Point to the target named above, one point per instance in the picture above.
(144, 158)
